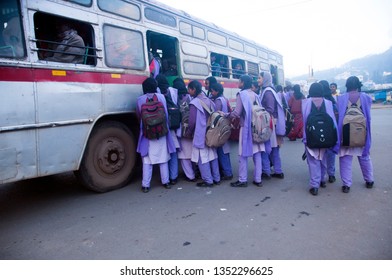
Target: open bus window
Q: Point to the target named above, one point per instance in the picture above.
(219, 65)
(123, 48)
(238, 68)
(11, 35)
(64, 40)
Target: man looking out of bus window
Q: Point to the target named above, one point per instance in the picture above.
(70, 48)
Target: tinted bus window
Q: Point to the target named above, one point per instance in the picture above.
(159, 17)
(121, 8)
(86, 3)
(251, 50)
(216, 38)
(11, 35)
(236, 45)
(123, 48)
(194, 49)
(195, 68)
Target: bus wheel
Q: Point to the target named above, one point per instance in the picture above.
(109, 158)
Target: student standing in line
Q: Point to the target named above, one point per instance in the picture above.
(272, 102)
(316, 157)
(205, 157)
(330, 154)
(221, 104)
(346, 154)
(171, 96)
(153, 151)
(185, 152)
(209, 81)
(246, 148)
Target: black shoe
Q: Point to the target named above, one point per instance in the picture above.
(265, 176)
(173, 182)
(313, 191)
(167, 186)
(145, 189)
(190, 180)
(345, 189)
(323, 184)
(217, 182)
(331, 179)
(278, 175)
(258, 184)
(239, 184)
(369, 185)
(227, 177)
(204, 184)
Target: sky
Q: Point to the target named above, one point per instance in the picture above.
(320, 34)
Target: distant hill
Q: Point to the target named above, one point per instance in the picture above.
(376, 68)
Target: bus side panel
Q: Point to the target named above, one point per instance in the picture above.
(74, 104)
(61, 148)
(17, 147)
(121, 97)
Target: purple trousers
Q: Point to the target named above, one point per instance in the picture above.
(209, 171)
(243, 168)
(187, 167)
(147, 174)
(346, 163)
(317, 170)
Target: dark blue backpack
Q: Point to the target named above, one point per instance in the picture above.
(320, 128)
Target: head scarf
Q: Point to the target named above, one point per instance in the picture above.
(267, 80)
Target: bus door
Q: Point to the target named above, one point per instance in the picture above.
(164, 49)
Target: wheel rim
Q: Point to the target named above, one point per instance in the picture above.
(110, 157)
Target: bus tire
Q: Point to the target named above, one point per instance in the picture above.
(109, 159)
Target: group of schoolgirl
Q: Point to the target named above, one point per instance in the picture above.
(173, 124)
(161, 142)
(344, 131)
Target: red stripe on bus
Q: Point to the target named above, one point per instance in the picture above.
(15, 74)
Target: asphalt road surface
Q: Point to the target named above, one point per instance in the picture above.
(54, 218)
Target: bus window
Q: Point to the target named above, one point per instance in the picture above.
(123, 48)
(253, 69)
(121, 8)
(219, 65)
(238, 68)
(11, 36)
(86, 3)
(64, 40)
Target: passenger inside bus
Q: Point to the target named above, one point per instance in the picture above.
(12, 37)
(70, 47)
(215, 66)
(237, 71)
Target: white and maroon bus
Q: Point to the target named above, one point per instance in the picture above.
(57, 116)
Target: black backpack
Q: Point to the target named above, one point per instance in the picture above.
(173, 111)
(320, 128)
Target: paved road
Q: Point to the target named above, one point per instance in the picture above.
(54, 218)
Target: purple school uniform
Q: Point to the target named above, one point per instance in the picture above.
(346, 154)
(317, 166)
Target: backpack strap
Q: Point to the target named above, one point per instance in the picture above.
(321, 109)
(154, 98)
(209, 111)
